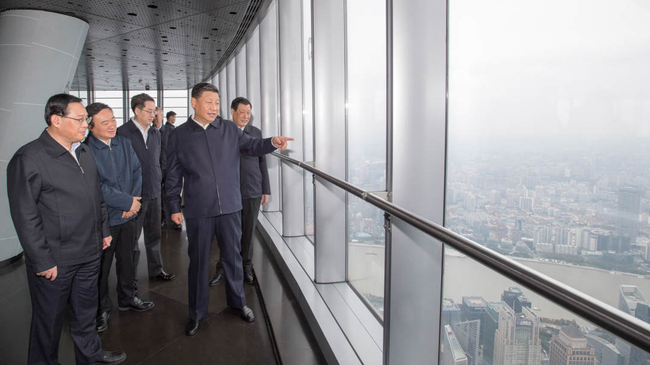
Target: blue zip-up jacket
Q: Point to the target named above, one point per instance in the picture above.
(120, 175)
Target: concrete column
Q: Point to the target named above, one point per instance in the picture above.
(414, 292)
(330, 139)
(270, 112)
(240, 71)
(39, 55)
(223, 94)
(253, 79)
(232, 88)
(293, 204)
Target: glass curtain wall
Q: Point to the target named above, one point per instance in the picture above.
(548, 149)
(176, 101)
(366, 144)
(114, 99)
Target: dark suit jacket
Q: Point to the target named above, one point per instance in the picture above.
(169, 126)
(207, 162)
(149, 156)
(56, 204)
(164, 136)
(254, 174)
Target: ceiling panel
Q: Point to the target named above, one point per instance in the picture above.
(137, 42)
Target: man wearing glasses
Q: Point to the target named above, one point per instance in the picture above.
(120, 175)
(147, 143)
(57, 208)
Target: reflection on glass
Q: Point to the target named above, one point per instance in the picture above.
(366, 249)
(307, 116)
(549, 137)
(494, 321)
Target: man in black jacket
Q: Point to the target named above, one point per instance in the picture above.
(147, 143)
(255, 190)
(203, 161)
(57, 208)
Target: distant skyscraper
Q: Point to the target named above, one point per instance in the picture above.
(450, 312)
(472, 309)
(637, 355)
(452, 352)
(516, 341)
(510, 295)
(605, 351)
(468, 334)
(520, 302)
(629, 298)
(489, 329)
(629, 206)
(570, 348)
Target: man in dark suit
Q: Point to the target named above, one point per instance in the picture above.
(57, 208)
(171, 120)
(120, 176)
(254, 186)
(203, 154)
(147, 143)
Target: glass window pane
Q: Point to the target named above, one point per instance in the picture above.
(366, 109)
(366, 249)
(548, 138)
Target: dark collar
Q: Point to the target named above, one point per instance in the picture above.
(195, 125)
(54, 148)
(97, 143)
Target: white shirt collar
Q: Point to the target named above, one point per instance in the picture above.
(202, 126)
(144, 131)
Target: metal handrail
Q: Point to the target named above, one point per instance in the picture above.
(622, 325)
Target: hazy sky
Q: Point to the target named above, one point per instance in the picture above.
(527, 69)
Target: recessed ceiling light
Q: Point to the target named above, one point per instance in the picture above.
(172, 27)
(206, 37)
(152, 6)
(132, 14)
(126, 39)
(233, 12)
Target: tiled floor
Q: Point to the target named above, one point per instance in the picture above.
(158, 337)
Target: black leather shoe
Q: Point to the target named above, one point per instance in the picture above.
(177, 227)
(217, 278)
(112, 357)
(102, 321)
(164, 276)
(249, 277)
(247, 314)
(191, 327)
(137, 305)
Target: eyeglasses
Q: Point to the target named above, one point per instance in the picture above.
(148, 111)
(79, 120)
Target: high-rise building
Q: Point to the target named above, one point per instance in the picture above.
(629, 298)
(510, 295)
(472, 309)
(605, 351)
(516, 341)
(468, 334)
(570, 348)
(522, 301)
(637, 355)
(452, 353)
(629, 207)
(450, 312)
(489, 329)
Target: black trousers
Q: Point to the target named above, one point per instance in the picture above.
(250, 210)
(122, 248)
(200, 233)
(165, 212)
(75, 287)
(149, 219)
